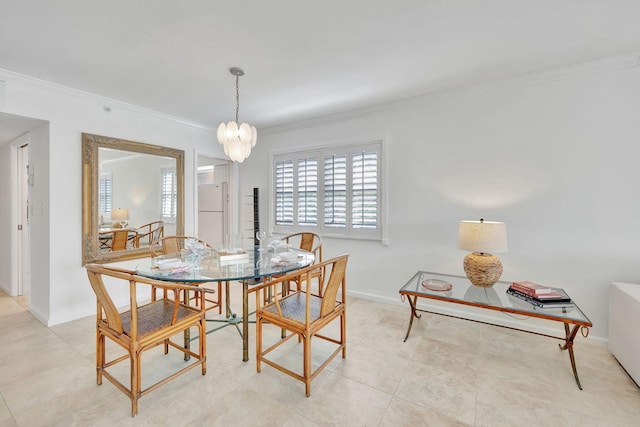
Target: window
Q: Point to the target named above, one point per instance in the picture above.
(105, 193)
(334, 191)
(169, 196)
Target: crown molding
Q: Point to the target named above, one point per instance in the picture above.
(564, 72)
(585, 68)
(8, 77)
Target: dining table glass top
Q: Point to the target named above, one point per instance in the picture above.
(257, 264)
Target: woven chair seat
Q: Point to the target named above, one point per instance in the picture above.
(303, 314)
(294, 307)
(155, 324)
(155, 316)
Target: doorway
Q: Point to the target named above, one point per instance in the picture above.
(213, 201)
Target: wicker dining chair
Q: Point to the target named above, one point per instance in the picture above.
(172, 245)
(304, 313)
(142, 327)
(310, 242)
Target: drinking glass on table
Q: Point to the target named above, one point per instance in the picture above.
(261, 235)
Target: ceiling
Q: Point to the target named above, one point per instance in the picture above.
(302, 59)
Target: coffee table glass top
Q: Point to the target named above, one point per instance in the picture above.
(495, 297)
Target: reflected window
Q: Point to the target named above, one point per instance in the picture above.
(169, 194)
(105, 193)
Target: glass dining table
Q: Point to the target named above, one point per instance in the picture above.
(248, 270)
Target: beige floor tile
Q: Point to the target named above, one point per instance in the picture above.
(450, 372)
(443, 391)
(404, 413)
(341, 401)
(378, 370)
(299, 421)
(6, 419)
(244, 406)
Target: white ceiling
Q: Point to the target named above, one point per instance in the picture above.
(302, 59)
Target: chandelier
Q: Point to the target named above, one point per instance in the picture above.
(237, 140)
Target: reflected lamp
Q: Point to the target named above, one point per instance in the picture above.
(120, 215)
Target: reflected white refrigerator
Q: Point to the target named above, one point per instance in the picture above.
(212, 213)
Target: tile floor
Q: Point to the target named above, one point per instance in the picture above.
(449, 373)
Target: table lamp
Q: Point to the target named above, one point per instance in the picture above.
(121, 215)
(481, 238)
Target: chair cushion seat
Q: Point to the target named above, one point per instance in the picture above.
(293, 307)
(156, 315)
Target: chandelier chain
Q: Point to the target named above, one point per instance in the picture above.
(237, 99)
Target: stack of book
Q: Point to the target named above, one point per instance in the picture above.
(538, 295)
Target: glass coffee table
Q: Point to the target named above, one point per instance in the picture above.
(454, 289)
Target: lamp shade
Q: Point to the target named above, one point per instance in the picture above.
(120, 214)
(482, 236)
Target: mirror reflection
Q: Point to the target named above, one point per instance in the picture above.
(134, 194)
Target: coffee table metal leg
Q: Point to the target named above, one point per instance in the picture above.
(568, 345)
(414, 313)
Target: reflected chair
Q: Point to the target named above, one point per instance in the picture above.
(120, 239)
(104, 240)
(310, 242)
(142, 327)
(171, 246)
(150, 232)
(303, 314)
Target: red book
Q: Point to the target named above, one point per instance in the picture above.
(535, 290)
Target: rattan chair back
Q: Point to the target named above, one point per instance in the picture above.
(303, 313)
(119, 239)
(142, 327)
(307, 241)
(151, 232)
(172, 246)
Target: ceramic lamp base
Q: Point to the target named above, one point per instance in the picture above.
(482, 269)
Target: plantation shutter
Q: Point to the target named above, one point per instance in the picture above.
(364, 209)
(284, 192)
(308, 191)
(335, 191)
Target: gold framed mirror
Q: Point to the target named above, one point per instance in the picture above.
(132, 192)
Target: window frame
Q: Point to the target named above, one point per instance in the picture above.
(348, 231)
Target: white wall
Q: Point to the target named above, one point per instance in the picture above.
(60, 290)
(554, 155)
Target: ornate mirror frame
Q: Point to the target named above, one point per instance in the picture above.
(90, 180)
